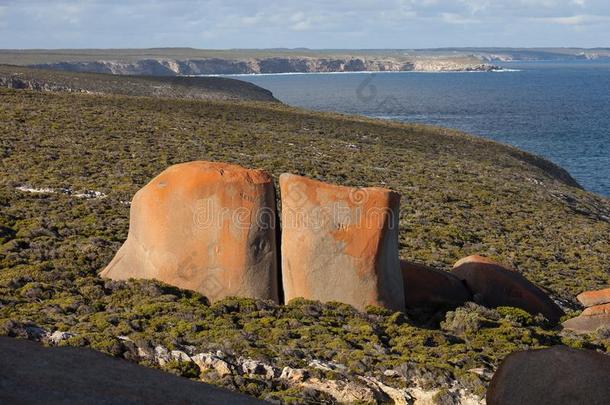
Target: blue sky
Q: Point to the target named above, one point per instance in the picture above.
(314, 24)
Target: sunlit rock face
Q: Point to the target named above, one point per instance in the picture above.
(204, 226)
(340, 243)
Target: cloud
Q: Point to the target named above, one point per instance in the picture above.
(292, 23)
(454, 18)
(578, 20)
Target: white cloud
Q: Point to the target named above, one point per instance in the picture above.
(292, 23)
(454, 18)
(581, 19)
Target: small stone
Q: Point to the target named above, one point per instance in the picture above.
(294, 375)
(58, 337)
(180, 356)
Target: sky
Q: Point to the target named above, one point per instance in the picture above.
(338, 24)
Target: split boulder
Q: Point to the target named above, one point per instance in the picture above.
(427, 287)
(203, 226)
(555, 376)
(340, 243)
(494, 285)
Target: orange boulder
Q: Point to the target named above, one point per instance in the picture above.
(590, 298)
(590, 319)
(203, 226)
(340, 243)
(494, 285)
(427, 287)
(597, 310)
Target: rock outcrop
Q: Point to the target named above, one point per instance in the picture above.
(203, 226)
(33, 374)
(425, 287)
(494, 285)
(595, 297)
(555, 376)
(340, 243)
(596, 316)
(197, 88)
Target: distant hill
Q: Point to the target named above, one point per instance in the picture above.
(206, 88)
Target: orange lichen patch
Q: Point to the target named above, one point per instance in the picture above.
(597, 297)
(603, 309)
(494, 285)
(206, 227)
(340, 243)
(426, 287)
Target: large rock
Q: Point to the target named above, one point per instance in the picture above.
(204, 226)
(597, 297)
(554, 376)
(494, 285)
(428, 287)
(33, 374)
(590, 320)
(340, 243)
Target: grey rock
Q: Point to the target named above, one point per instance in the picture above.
(33, 374)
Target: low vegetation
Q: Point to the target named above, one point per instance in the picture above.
(207, 88)
(461, 195)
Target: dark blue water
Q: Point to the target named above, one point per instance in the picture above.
(559, 111)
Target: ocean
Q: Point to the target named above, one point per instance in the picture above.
(560, 111)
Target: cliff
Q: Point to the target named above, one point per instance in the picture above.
(211, 66)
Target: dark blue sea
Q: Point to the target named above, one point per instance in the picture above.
(560, 111)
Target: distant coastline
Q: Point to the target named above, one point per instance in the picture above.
(273, 65)
(208, 62)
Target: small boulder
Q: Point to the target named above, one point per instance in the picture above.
(555, 376)
(212, 362)
(494, 285)
(428, 287)
(340, 243)
(587, 324)
(597, 310)
(596, 297)
(590, 320)
(58, 336)
(294, 375)
(203, 226)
